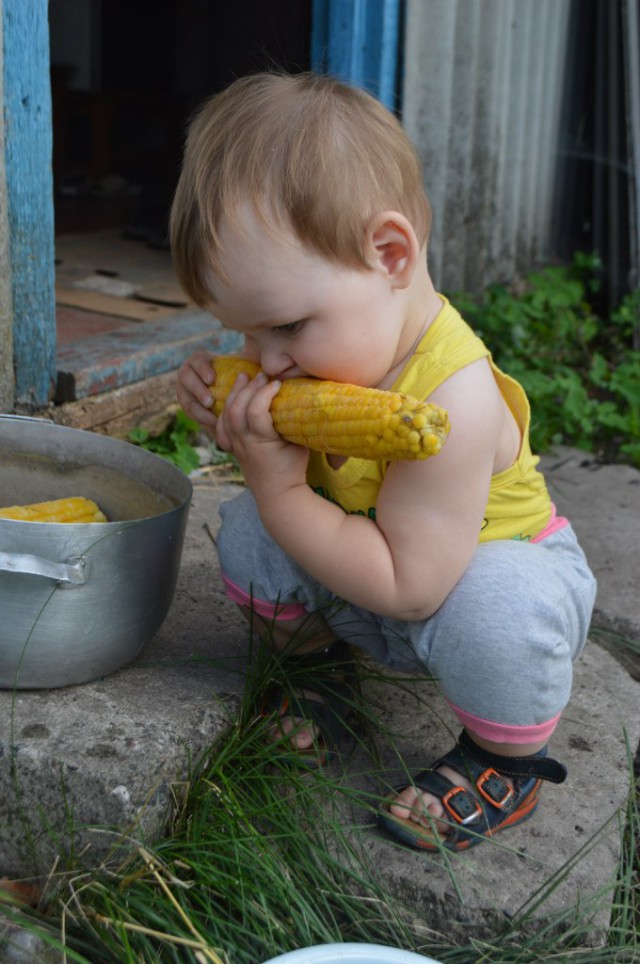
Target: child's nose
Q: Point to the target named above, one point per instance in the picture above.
(274, 362)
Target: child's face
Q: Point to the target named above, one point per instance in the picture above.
(302, 315)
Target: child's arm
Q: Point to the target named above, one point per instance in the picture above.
(428, 517)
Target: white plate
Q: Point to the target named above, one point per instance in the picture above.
(354, 953)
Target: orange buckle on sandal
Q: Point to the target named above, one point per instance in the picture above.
(462, 806)
(495, 789)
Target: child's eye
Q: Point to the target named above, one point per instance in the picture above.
(289, 329)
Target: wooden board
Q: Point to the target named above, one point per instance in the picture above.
(163, 293)
(132, 308)
(132, 352)
(150, 404)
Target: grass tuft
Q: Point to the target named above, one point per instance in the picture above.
(263, 858)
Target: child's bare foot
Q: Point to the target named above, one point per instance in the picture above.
(302, 733)
(312, 710)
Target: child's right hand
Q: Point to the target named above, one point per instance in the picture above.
(194, 377)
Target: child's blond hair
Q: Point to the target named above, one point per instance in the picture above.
(308, 153)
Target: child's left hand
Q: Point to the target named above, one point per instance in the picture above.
(270, 465)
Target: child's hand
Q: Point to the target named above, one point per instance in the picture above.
(270, 465)
(194, 377)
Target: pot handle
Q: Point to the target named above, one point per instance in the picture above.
(69, 574)
(26, 418)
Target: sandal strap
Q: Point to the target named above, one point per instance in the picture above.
(486, 771)
(464, 806)
(492, 805)
(536, 765)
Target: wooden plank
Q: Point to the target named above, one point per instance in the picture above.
(150, 404)
(29, 185)
(131, 308)
(7, 374)
(358, 41)
(75, 324)
(134, 352)
(163, 293)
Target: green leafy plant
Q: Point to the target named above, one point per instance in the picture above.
(176, 444)
(580, 371)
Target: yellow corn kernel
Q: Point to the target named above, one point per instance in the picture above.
(73, 509)
(341, 419)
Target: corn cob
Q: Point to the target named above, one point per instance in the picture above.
(74, 509)
(341, 419)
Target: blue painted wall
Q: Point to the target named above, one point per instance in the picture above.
(358, 41)
(28, 144)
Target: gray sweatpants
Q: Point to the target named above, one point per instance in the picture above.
(501, 645)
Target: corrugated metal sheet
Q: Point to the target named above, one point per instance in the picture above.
(598, 177)
(632, 76)
(631, 14)
(482, 95)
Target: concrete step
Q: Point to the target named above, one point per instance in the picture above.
(102, 758)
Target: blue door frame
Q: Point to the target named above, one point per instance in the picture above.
(29, 189)
(359, 42)
(356, 40)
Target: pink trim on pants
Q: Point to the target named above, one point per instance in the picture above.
(504, 732)
(487, 729)
(555, 523)
(267, 609)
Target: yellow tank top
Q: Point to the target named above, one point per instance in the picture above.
(518, 507)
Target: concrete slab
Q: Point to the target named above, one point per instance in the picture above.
(603, 503)
(574, 836)
(104, 755)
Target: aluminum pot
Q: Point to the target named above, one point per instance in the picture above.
(79, 601)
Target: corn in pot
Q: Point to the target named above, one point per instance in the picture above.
(73, 509)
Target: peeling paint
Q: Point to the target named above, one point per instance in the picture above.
(29, 188)
(137, 351)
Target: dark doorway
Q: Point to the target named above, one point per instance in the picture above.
(127, 74)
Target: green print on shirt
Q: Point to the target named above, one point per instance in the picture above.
(519, 538)
(370, 513)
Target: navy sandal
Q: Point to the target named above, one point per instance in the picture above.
(494, 804)
(331, 675)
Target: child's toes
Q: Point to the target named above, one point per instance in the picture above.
(411, 804)
(300, 736)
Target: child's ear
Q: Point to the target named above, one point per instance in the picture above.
(392, 245)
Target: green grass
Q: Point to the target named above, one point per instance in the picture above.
(262, 858)
(617, 641)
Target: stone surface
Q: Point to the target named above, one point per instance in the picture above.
(481, 889)
(103, 757)
(603, 503)
(106, 753)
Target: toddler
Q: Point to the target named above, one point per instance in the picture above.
(301, 222)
